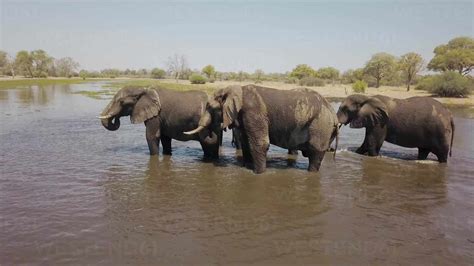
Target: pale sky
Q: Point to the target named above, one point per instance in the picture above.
(231, 35)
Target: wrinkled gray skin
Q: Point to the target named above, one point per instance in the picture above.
(236, 142)
(298, 119)
(166, 114)
(417, 122)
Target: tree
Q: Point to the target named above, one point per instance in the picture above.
(352, 75)
(3, 62)
(209, 70)
(258, 74)
(410, 64)
(379, 66)
(329, 73)
(83, 74)
(24, 63)
(66, 66)
(158, 73)
(302, 71)
(457, 55)
(41, 62)
(177, 64)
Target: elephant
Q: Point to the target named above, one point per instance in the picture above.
(416, 122)
(166, 114)
(236, 141)
(298, 119)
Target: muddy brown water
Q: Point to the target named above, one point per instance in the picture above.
(72, 192)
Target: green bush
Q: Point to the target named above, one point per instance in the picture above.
(448, 84)
(311, 81)
(157, 73)
(197, 79)
(359, 86)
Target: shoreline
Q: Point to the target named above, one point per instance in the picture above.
(336, 92)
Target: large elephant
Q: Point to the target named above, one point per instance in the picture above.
(166, 114)
(417, 122)
(298, 119)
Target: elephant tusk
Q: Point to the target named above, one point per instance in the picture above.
(197, 130)
(339, 125)
(104, 116)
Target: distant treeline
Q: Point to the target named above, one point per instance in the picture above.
(457, 56)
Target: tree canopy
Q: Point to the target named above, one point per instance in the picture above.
(302, 71)
(380, 66)
(410, 64)
(457, 55)
(209, 71)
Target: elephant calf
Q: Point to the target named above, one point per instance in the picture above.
(298, 119)
(417, 122)
(166, 114)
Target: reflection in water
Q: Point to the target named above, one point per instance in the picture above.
(72, 192)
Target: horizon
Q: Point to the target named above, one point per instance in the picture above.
(231, 36)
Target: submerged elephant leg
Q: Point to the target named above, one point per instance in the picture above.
(441, 153)
(315, 159)
(375, 137)
(363, 148)
(423, 153)
(153, 135)
(210, 151)
(166, 142)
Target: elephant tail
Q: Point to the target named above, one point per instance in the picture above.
(336, 127)
(452, 138)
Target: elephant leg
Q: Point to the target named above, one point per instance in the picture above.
(210, 151)
(315, 158)
(441, 153)
(166, 142)
(423, 153)
(375, 137)
(363, 148)
(153, 135)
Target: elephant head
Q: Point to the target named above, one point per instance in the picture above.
(221, 112)
(139, 103)
(362, 111)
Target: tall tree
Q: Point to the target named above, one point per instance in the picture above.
(410, 64)
(66, 66)
(209, 70)
(24, 63)
(457, 55)
(177, 64)
(41, 62)
(380, 66)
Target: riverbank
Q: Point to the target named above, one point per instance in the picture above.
(332, 92)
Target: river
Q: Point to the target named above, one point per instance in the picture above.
(72, 192)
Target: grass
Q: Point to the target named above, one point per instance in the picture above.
(117, 84)
(103, 94)
(24, 83)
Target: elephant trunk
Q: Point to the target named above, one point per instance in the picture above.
(110, 118)
(109, 124)
(211, 138)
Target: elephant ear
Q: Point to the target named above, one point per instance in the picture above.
(373, 112)
(147, 106)
(231, 107)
